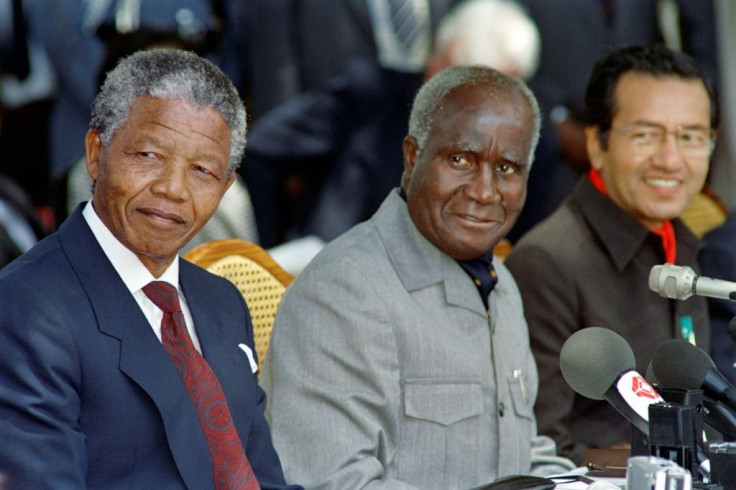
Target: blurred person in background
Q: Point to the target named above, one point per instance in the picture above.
(324, 161)
(287, 47)
(20, 226)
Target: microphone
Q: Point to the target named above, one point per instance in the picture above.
(650, 376)
(679, 364)
(599, 364)
(681, 282)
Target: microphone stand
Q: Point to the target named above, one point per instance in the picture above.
(732, 329)
(676, 429)
(721, 418)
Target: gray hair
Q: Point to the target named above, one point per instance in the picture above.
(495, 33)
(169, 74)
(430, 98)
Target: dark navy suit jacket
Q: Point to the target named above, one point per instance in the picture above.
(718, 259)
(89, 397)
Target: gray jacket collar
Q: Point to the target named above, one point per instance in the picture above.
(418, 263)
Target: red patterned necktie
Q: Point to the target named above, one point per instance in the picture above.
(232, 469)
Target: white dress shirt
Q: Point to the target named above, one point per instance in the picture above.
(135, 275)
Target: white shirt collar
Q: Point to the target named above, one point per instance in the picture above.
(131, 270)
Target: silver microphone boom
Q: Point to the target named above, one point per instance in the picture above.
(681, 282)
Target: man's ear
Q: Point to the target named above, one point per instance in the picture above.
(593, 145)
(92, 151)
(231, 180)
(410, 148)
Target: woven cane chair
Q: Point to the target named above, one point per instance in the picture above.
(259, 278)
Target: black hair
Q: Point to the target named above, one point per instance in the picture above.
(652, 59)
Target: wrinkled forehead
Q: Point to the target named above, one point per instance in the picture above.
(471, 98)
(481, 105)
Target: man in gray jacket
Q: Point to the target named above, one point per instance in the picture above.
(400, 357)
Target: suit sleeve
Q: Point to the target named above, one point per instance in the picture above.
(260, 451)
(549, 307)
(42, 445)
(333, 381)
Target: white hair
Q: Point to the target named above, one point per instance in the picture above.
(494, 33)
(431, 97)
(169, 74)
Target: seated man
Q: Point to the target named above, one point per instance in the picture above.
(400, 357)
(20, 227)
(116, 353)
(649, 128)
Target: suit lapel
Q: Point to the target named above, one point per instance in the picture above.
(142, 358)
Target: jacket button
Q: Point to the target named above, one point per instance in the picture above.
(501, 409)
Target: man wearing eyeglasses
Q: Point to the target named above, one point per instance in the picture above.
(650, 119)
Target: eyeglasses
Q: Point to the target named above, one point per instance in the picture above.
(649, 138)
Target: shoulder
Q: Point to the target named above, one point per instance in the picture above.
(41, 266)
(356, 256)
(555, 253)
(556, 236)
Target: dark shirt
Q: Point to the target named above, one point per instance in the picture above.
(588, 265)
(480, 270)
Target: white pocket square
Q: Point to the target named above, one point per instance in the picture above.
(251, 359)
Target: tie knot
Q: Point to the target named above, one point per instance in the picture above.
(163, 295)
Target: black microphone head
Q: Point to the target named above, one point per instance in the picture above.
(732, 329)
(650, 376)
(679, 364)
(592, 359)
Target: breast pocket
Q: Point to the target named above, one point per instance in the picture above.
(522, 422)
(521, 394)
(442, 422)
(442, 403)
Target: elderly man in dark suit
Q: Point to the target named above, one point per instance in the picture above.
(124, 367)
